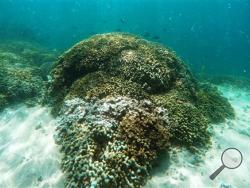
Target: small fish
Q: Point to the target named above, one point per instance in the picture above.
(122, 20)
(156, 37)
(164, 29)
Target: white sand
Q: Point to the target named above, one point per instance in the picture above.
(183, 172)
(30, 158)
(28, 154)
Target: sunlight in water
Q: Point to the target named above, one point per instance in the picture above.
(28, 154)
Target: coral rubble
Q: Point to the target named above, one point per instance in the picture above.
(120, 101)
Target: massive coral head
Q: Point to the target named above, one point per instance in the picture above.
(121, 100)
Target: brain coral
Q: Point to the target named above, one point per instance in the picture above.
(121, 100)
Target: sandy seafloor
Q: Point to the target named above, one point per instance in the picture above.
(184, 171)
(29, 156)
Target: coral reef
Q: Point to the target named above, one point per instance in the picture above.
(26, 52)
(152, 66)
(99, 85)
(121, 100)
(21, 78)
(3, 101)
(213, 105)
(110, 142)
(188, 124)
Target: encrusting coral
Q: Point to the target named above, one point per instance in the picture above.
(120, 101)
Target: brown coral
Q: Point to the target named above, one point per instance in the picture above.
(144, 98)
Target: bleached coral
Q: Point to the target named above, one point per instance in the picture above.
(95, 138)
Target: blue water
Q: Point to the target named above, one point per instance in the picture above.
(210, 35)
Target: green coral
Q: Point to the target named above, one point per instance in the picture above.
(188, 124)
(100, 85)
(18, 84)
(129, 57)
(3, 101)
(191, 109)
(27, 52)
(215, 107)
(121, 64)
(21, 79)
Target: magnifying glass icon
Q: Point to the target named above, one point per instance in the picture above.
(231, 158)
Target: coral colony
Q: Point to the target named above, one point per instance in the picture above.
(119, 100)
(23, 72)
(122, 100)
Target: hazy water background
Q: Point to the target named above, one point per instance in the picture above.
(210, 35)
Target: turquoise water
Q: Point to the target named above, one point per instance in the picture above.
(211, 36)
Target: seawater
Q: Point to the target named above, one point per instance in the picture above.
(211, 36)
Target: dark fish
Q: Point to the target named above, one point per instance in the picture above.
(122, 20)
(156, 37)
